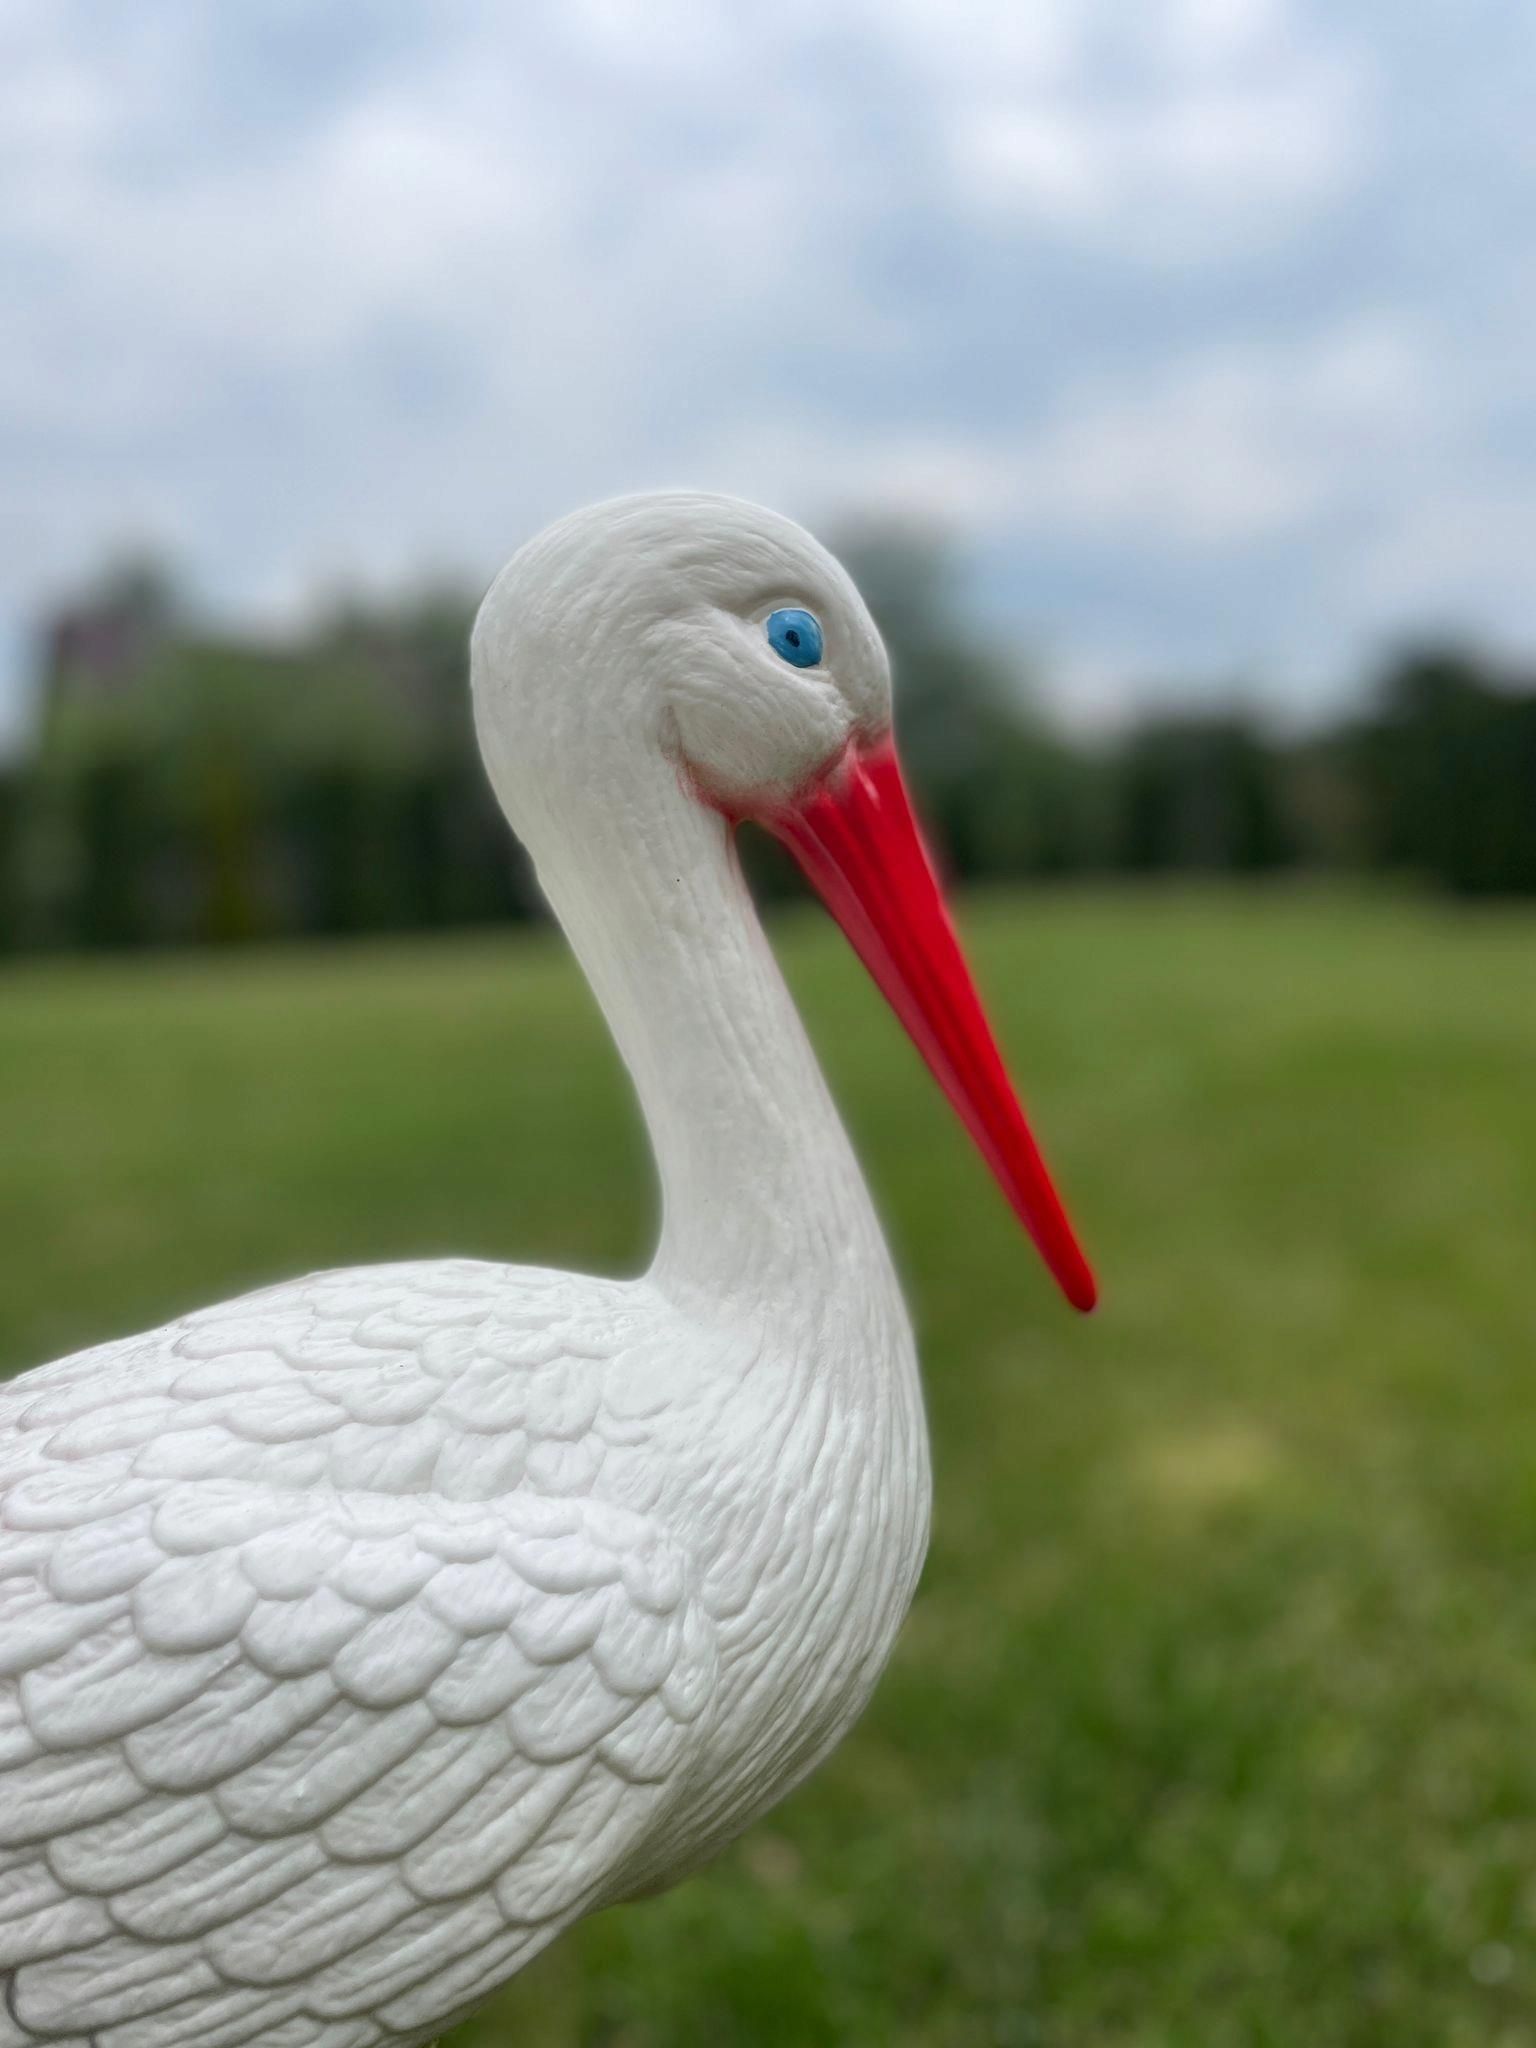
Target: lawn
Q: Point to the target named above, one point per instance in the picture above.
(1215, 1720)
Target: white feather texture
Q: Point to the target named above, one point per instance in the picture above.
(359, 1635)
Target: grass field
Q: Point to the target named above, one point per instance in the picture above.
(1215, 1720)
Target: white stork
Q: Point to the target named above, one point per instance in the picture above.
(360, 1634)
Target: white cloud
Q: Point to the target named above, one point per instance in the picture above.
(956, 43)
(1212, 35)
(1222, 119)
(1178, 180)
(1221, 451)
(1058, 272)
(1463, 550)
(1230, 447)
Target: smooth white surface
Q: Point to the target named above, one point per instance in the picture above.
(358, 1635)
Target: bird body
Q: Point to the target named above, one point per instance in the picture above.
(360, 1634)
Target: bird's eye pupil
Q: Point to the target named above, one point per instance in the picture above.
(794, 635)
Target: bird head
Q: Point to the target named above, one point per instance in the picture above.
(721, 640)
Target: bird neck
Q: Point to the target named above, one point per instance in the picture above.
(761, 1193)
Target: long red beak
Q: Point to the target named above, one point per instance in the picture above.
(855, 836)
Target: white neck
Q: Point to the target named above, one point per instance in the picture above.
(761, 1194)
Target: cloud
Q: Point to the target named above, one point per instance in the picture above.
(1166, 136)
(1462, 553)
(1223, 450)
(1230, 447)
(1178, 306)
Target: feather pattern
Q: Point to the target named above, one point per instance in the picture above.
(360, 1634)
(259, 1722)
(313, 1758)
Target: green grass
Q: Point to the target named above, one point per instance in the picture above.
(1215, 1720)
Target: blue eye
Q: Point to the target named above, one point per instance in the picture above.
(795, 636)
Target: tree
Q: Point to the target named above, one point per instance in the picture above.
(1200, 793)
(1001, 794)
(1448, 763)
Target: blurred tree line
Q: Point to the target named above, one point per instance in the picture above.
(188, 785)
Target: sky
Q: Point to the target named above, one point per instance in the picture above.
(1205, 326)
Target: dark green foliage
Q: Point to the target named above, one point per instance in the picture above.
(1002, 794)
(192, 787)
(1201, 794)
(12, 797)
(109, 794)
(357, 854)
(1448, 764)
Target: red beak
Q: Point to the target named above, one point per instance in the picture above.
(855, 836)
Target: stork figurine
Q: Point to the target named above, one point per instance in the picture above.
(359, 1635)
